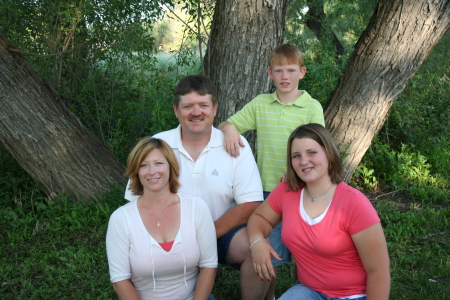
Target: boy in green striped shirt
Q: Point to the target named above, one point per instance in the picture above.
(274, 117)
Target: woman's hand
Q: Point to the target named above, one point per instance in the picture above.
(262, 262)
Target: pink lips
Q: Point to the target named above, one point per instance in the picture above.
(306, 170)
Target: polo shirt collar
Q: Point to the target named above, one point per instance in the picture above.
(215, 141)
(300, 101)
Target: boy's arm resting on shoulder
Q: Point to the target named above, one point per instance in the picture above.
(234, 217)
(232, 139)
(247, 192)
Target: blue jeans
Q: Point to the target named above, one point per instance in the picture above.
(223, 244)
(277, 244)
(302, 292)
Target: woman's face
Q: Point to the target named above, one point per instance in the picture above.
(154, 172)
(309, 160)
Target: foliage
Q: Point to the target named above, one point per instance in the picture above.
(322, 75)
(55, 250)
(407, 170)
(421, 114)
(346, 19)
(99, 56)
(412, 151)
(369, 181)
(123, 100)
(419, 249)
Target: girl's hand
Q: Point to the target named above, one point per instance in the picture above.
(262, 262)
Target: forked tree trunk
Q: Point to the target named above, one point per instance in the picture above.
(397, 40)
(46, 138)
(243, 35)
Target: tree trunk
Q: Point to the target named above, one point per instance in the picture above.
(46, 138)
(397, 40)
(315, 20)
(243, 35)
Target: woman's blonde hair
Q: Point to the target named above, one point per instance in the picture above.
(137, 155)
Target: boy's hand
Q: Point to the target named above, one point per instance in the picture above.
(232, 140)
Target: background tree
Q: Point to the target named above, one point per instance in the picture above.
(316, 21)
(85, 52)
(250, 30)
(46, 138)
(397, 40)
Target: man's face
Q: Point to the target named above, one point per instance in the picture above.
(195, 113)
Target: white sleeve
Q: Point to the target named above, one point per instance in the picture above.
(118, 245)
(247, 181)
(206, 233)
(128, 193)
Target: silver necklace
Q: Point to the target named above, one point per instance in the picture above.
(313, 199)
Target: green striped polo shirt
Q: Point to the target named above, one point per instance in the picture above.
(274, 122)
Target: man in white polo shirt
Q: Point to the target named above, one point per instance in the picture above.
(230, 186)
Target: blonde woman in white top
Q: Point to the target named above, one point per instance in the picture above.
(163, 244)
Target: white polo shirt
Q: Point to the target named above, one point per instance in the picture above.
(216, 177)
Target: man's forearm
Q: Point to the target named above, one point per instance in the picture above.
(235, 217)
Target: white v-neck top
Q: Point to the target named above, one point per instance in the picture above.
(134, 254)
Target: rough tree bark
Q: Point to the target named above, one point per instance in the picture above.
(243, 35)
(46, 138)
(397, 40)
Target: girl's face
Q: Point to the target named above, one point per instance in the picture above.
(309, 160)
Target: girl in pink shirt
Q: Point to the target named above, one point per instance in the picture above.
(331, 229)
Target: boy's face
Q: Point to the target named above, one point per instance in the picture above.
(286, 77)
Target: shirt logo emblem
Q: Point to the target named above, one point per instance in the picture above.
(215, 173)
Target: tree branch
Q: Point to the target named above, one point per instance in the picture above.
(187, 25)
